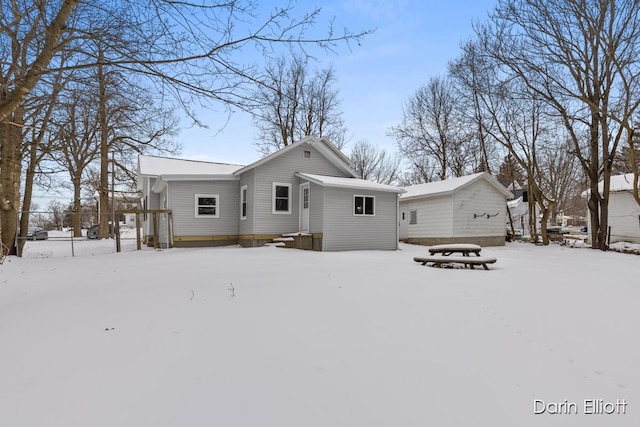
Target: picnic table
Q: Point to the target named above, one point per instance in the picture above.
(441, 255)
(462, 248)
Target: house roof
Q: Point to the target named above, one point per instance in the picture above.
(447, 186)
(170, 169)
(352, 183)
(325, 147)
(618, 183)
(163, 166)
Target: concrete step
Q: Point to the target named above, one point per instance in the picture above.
(277, 244)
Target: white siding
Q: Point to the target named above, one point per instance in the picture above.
(282, 169)
(182, 203)
(345, 231)
(434, 217)
(624, 218)
(479, 198)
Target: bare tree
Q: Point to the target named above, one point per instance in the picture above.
(77, 134)
(432, 128)
(560, 177)
(518, 123)
(419, 171)
(29, 39)
(291, 104)
(30, 36)
(469, 72)
(373, 164)
(582, 59)
(36, 144)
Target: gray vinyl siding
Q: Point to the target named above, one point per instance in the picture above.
(182, 202)
(247, 225)
(282, 169)
(479, 198)
(316, 208)
(345, 231)
(433, 217)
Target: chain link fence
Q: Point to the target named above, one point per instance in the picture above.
(51, 235)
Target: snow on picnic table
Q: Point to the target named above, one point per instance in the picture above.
(278, 337)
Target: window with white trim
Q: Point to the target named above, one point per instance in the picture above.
(207, 205)
(243, 202)
(281, 198)
(364, 205)
(413, 217)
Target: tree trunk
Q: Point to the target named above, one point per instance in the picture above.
(25, 215)
(594, 176)
(103, 190)
(76, 216)
(10, 170)
(546, 211)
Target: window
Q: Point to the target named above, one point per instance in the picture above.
(281, 198)
(243, 202)
(413, 217)
(305, 198)
(307, 154)
(364, 205)
(207, 206)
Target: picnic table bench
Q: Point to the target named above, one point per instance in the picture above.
(439, 261)
(445, 258)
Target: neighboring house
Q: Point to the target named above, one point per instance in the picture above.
(624, 212)
(469, 209)
(519, 208)
(307, 188)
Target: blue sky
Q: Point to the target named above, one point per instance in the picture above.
(414, 41)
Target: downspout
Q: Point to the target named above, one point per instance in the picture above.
(398, 221)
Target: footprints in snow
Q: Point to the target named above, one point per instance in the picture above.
(571, 362)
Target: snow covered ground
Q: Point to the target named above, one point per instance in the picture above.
(278, 337)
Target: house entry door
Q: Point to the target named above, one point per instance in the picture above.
(304, 207)
(403, 224)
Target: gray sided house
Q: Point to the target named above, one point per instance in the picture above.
(307, 189)
(624, 212)
(469, 209)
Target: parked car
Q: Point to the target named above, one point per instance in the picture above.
(38, 234)
(93, 231)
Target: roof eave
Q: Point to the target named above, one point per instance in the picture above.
(426, 196)
(199, 177)
(390, 189)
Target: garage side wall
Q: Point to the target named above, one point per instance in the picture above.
(433, 220)
(479, 214)
(624, 217)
